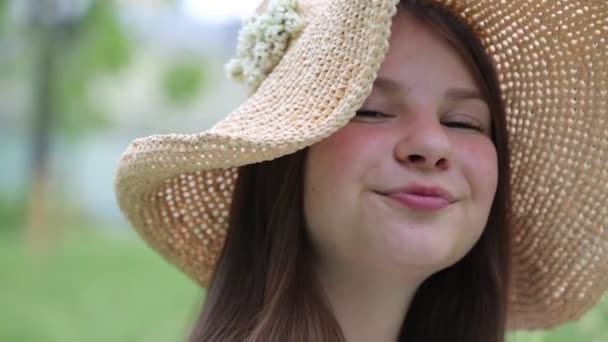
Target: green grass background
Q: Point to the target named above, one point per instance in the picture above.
(97, 286)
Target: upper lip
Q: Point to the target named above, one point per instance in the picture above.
(424, 190)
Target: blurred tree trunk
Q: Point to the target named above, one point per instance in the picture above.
(63, 70)
(39, 222)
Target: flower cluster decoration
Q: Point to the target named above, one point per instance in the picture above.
(262, 42)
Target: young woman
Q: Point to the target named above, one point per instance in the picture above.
(391, 177)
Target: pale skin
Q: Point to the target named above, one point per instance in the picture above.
(423, 122)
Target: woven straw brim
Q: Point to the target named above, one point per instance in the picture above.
(552, 61)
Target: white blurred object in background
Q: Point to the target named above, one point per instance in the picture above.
(218, 11)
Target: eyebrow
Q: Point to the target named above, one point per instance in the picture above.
(393, 88)
(456, 94)
(388, 85)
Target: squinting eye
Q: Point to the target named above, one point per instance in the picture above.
(370, 114)
(464, 124)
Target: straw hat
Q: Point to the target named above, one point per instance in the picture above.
(309, 66)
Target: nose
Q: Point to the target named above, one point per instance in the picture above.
(424, 145)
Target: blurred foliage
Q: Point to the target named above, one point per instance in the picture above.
(12, 212)
(3, 15)
(183, 81)
(95, 45)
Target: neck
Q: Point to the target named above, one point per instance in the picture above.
(368, 306)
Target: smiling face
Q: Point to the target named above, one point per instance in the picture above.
(423, 124)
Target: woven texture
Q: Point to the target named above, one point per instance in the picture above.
(552, 61)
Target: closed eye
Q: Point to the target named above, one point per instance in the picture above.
(464, 124)
(373, 116)
(370, 116)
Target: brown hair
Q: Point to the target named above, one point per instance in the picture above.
(264, 288)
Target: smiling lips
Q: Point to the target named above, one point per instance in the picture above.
(422, 197)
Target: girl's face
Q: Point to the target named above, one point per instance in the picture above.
(423, 124)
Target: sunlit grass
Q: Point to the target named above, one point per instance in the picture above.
(93, 286)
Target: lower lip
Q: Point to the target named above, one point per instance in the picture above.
(427, 203)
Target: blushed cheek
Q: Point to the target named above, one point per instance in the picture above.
(340, 150)
(482, 168)
(333, 171)
(326, 160)
(329, 165)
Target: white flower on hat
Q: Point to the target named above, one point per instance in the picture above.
(262, 42)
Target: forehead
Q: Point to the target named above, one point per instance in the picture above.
(419, 54)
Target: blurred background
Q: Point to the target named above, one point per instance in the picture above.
(80, 79)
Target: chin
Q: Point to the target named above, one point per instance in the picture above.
(419, 246)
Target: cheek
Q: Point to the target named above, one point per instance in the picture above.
(341, 148)
(480, 164)
(341, 156)
(335, 173)
(325, 184)
(329, 155)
